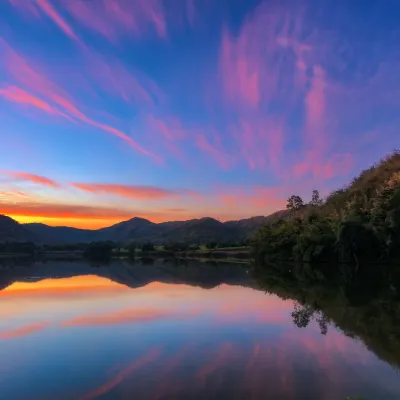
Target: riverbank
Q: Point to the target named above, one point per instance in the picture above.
(242, 255)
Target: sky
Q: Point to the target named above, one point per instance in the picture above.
(171, 110)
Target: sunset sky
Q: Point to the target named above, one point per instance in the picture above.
(176, 109)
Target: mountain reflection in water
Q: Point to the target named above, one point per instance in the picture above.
(179, 330)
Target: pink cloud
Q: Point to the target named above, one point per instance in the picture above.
(254, 65)
(38, 179)
(26, 7)
(315, 140)
(264, 199)
(239, 71)
(338, 165)
(203, 144)
(261, 68)
(119, 18)
(18, 95)
(49, 10)
(134, 192)
(170, 128)
(129, 85)
(28, 76)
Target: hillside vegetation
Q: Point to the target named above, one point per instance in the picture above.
(360, 222)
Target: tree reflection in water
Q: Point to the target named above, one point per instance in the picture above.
(365, 308)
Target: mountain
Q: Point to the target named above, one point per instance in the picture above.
(12, 231)
(59, 234)
(199, 231)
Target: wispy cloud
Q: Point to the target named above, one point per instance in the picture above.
(120, 18)
(51, 12)
(214, 150)
(18, 95)
(263, 199)
(37, 179)
(15, 194)
(128, 84)
(133, 192)
(56, 100)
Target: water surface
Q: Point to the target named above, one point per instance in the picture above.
(170, 331)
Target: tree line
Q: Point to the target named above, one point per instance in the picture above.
(360, 222)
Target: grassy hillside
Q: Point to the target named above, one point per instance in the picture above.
(360, 222)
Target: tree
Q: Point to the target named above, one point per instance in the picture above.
(316, 199)
(99, 251)
(294, 203)
(211, 245)
(148, 247)
(132, 251)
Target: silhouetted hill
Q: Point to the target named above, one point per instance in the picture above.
(60, 234)
(12, 231)
(140, 230)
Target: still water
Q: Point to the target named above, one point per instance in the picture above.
(170, 331)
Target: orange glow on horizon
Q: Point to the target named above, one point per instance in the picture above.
(80, 223)
(90, 222)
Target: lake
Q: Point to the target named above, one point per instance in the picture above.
(168, 330)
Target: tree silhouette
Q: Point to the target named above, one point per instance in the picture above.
(316, 198)
(294, 203)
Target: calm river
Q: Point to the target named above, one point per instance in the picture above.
(170, 331)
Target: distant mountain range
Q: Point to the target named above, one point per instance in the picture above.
(140, 230)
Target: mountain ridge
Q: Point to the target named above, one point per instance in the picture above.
(199, 231)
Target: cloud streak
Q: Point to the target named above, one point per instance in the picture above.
(121, 18)
(50, 11)
(133, 192)
(62, 105)
(24, 330)
(37, 179)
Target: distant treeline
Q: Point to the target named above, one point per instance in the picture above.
(358, 223)
(105, 250)
(27, 248)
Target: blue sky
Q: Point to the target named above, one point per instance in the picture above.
(174, 110)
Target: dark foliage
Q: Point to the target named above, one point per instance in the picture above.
(99, 251)
(18, 248)
(132, 251)
(354, 224)
(147, 247)
(365, 306)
